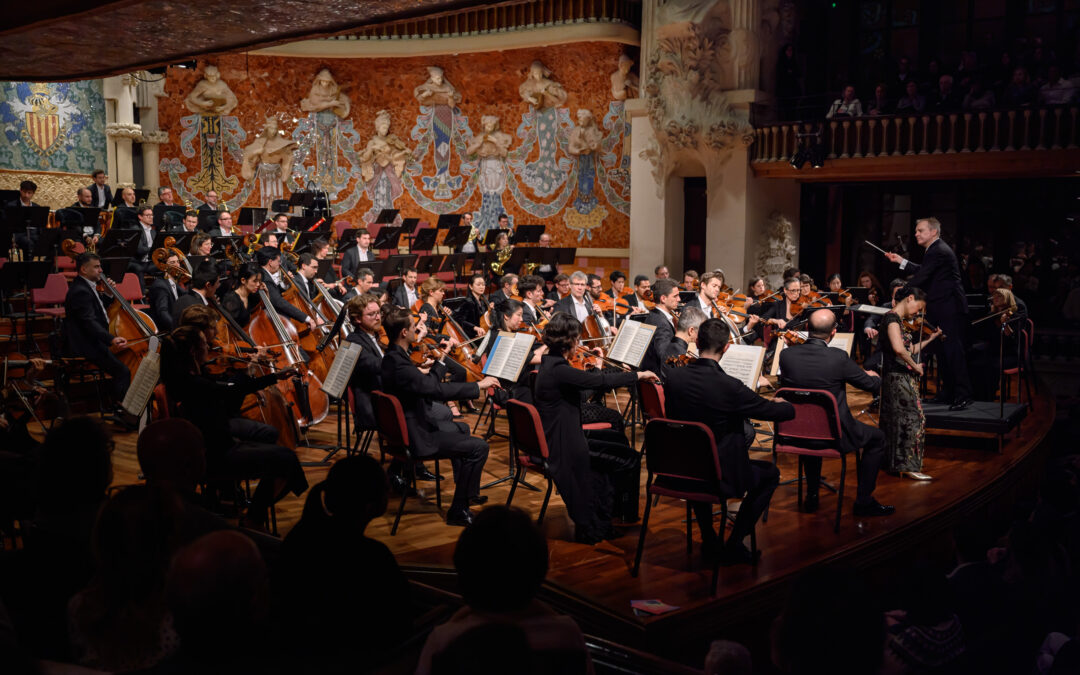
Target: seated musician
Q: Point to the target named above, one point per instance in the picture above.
(598, 476)
(507, 287)
(163, 293)
(407, 294)
(244, 296)
(211, 404)
(140, 263)
(432, 292)
(662, 316)
(165, 200)
(532, 297)
(86, 324)
(475, 306)
(365, 315)
(578, 304)
(201, 245)
(304, 277)
(269, 259)
(703, 392)
(690, 280)
(690, 319)
(993, 345)
(814, 365)
(432, 432)
(638, 298)
(188, 224)
(779, 313)
(320, 248)
(560, 289)
(280, 227)
(225, 226)
(509, 316)
(84, 199)
(204, 284)
(546, 272)
(595, 287)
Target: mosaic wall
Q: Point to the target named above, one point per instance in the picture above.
(55, 126)
(395, 133)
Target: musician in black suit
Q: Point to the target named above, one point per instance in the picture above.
(304, 278)
(507, 286)
(163, 294)
(406, 294)
(86, 324)
(474, 307)
(269, 259)
(703, 392)
(578, 304)
(531, 289)
(666, 293)
(353, 259)
(210, 205)
(432, 432)
(815, 365)
(560, 288)
(946, 308)
(365, 316)
(165, 201)
(102, 193)
(140, 263)
(25, 241)
(204, 284)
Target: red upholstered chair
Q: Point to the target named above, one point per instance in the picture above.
(132, 292)
(683, 463)
(1022, 370)
(814, 432)
(340, 226)
(528, 447)
(394, 441)
(363, 436)
(651, 395)
(46, 299)
(161, 409)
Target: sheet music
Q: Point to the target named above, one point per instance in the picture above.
(743, 362)
(146, 378)
(508, 355)
(843, 341)
(337, 378)
(631, 343)
(870, 309)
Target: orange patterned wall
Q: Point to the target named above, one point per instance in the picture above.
(488, 82)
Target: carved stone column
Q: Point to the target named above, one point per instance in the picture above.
(123, 130)
(150, 89)
(151, 140)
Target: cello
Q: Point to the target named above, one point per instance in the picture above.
(308, 339)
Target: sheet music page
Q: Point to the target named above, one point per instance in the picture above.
(743, 362)
(496, 356)
(146, 378)
(337, 378)
(631, 343)
(517, 356)
(623, 339)
(843, 341)
(870, 309)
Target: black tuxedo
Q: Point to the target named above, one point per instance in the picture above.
(662, 344)
(529, 316)
(703, 392)
(366, 378)
(401, 296)
(632, 300)
(351, 261)
(469, 313)
(162, 303)
(566, 305)
(86, 333)
(946, 307)
(191, 297)
(432, 431)
(97, 201)
(280, 304)
(815, 365)
(306, 288)
(497, 298)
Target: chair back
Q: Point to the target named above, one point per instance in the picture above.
(681, 450)
(53, 292)
(393, 432)
(340, 226)
(130, 288)
(817, 417)
(161, 403)
(526, 429)
(651, 395)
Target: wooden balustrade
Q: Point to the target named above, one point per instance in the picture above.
(1043, 129)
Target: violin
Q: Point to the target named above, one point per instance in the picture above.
(680, 360)
(647, 300)
(920, 327)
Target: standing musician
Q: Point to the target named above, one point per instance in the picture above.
(204, 284)
(507, 288)
(140, 263)
(662, 316)
(244, 297)
(355, 256)
(406, 294)
(432, 432)
(703, 392)
(814, 365)
(475, 306)
(560, 289)
(365, 315)
(269, 259)
(103, 196)
(211, 403)
(531, 289)
(164, 292)
(598, 476)
(638, 299)
(946, 308)
(86, 324)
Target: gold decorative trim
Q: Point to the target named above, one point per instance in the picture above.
(603, 253)
(55, 190)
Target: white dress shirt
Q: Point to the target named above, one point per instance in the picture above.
(581, 309)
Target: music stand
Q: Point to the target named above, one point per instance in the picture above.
(395, 265)
(27, 219)
(119, 243)
(303, 241)
(24, 276)
(81, 217)
(387, 238)
(302, 198)
(183, 240)
(207, 220)
(424, 239)
(115, 268)
(219, 243)
(565, 256)
(516, 260)
(429, 264)
(8, 196)
(455, 262)
(685, 297)
(347, 240)
(254, 216)
(492, 235)
(386, 216)
(447, 221)
(196, 260)
(528, 234)
(48, 242)
(457, 236)
(378, 270)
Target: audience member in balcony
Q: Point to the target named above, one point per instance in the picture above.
(978, 97)
(903, 75)
(788, 85)
(1003, 72)
(1038, 62)
(912, 101)
(946, 99)
(880, 104)
(845, 106)
(1020, 91)
(929, 82)
(968, 70)
(1057, 90)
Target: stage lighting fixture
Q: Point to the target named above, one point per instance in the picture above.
(799, 159)
(817, 155)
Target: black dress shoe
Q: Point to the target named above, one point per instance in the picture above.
(398, 484)
(478, 500)
(422, 473)
(738, 554)
(961, 404)
(468, 407)
(937, 400)
(873, 509)
(461, 517)
(810, 503)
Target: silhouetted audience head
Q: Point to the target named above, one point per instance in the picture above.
(354, 493)
(75, 465)
(217, 590)
(489, 649)
(172, 451)
(501, 560)
(728, 658)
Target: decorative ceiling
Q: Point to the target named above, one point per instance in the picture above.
(55, 40)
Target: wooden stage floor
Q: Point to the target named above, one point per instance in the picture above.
(594, 583)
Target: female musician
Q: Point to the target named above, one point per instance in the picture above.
(587, 470)
(844, 318)
(241, 300)
(201, 244)
(868, 280)
(508, 315)
(779, 313)
(994, 345)
(756, 290)
(475, 306)
(901, 410)
(208, 403)
(806, 288)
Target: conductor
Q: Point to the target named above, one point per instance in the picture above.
(946, 307)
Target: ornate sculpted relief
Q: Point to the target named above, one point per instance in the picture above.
(211, 96)
(270, 157)
(778, 252)
(438, 101)
(381, 164)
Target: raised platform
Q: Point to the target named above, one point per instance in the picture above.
(988, 417)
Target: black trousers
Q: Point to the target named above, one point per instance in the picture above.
(612, 456)
(754, 503)
(244, 429)
(872, 457)
(467, 455)
(266, 462)
(951, 354)
(120, 374)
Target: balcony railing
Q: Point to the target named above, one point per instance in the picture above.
(1023, 129)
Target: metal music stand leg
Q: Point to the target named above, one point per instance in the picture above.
(330, 450)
